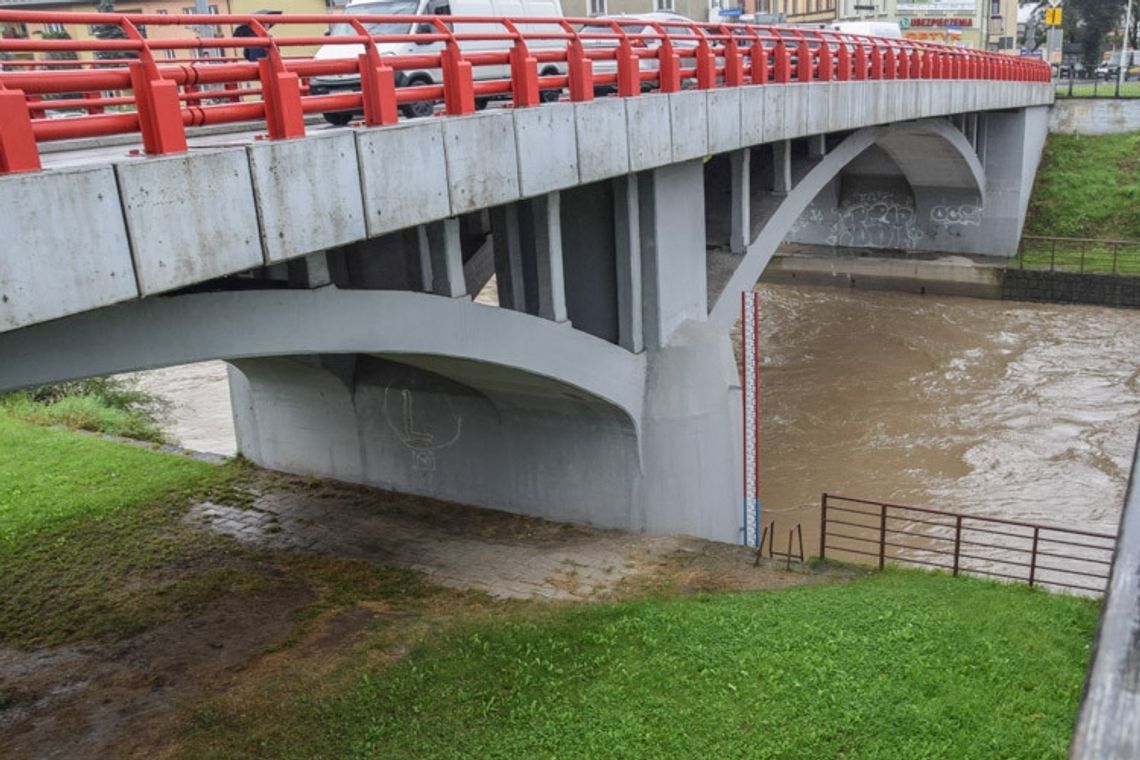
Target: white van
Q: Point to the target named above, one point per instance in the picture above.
(509, 8)
(867, 28)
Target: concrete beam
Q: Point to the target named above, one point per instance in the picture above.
(482, 160)
(294, 219)
(189, 217)
(410, 191)
(65, 248)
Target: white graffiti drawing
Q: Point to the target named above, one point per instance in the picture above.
(422, 443)
(964, 215)
(811, 218)
(875, 220)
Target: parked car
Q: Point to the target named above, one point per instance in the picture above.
(1075, 70)
(323, 85)
(1110, 69)
(672, 24)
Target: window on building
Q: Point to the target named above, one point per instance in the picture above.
(995, 8)
(211, 9)
(664, 5)
(597, 7)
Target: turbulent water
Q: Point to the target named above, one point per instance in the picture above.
(988, 407)
(1026, 410)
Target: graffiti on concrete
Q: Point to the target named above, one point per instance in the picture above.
(962, 215)
(875, 220)
(422, 443)
(812, 217)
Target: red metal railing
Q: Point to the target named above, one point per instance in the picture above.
(1037, 553)
(143, 92)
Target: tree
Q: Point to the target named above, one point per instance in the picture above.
(109, 32)
(60, 55)
(1089, 22)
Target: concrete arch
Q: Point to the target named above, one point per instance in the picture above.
(483, 345)
(930, 153)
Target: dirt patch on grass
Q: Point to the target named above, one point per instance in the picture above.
(344, 562)
(102, 700)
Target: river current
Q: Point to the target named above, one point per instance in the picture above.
(996, 408)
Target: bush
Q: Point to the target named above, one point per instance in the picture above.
(114, 406)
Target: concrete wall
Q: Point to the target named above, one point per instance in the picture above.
(947, 275)
(1094, 116)
(217, 212)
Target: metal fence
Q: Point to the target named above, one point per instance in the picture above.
(1036, 553)
(1081, 255)
(1096, 88)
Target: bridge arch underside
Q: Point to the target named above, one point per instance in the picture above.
(444, 427)
(431, 395)
(907, 191)
(937, 185)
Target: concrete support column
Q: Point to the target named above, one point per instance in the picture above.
(312, 271)
(817, 146)
(741, 223)
(1011, 151)
(627, 245)
(446, 256)
(544, 215)
(782, 167)
(673, 261)
(417, 258)
(508, 257)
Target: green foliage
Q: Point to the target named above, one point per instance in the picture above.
(1089, 22)
(61, 55)
(104, 405)
(900, 664)
(109, 32)
(1087, 186)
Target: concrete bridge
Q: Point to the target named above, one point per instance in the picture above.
(336, 270)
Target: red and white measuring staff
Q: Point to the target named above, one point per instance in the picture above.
(750, 356)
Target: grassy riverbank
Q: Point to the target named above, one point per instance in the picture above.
(1087, 186)
(901, 664)
(317, 656)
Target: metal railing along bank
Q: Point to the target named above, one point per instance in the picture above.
(1080, 255)
(1035, 553)
(131, 88)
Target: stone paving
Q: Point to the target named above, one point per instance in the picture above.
(458, 547)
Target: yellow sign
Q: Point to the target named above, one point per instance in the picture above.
(1053, 16)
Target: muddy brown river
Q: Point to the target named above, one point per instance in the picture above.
(996, 408)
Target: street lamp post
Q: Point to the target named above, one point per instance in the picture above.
(1124, 60)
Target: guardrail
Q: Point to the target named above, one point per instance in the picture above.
(1081, 255)
(1106, 725)
(1097, 88)
(477, 58)
(1037, 553)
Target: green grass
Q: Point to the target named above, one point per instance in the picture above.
(897, 665)
(1071, 257)
(1087, 186)
(89, 532)
(50, 476)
